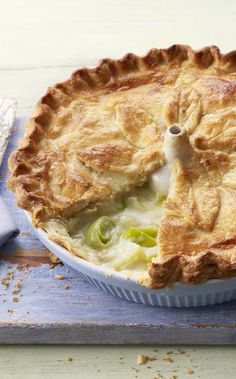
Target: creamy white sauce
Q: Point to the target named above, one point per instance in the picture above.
(160, 180)
(120, 254)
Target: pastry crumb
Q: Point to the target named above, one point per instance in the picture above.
(189, 371)
(181, 351)
(142, 359)
(59, 276)
(158, 376)
(15, 292)
(152, 358)
(18, 284)
(5, 282)
(168, 359)
(66, 286)
(70, 359)
(53, 258)
(15, 299)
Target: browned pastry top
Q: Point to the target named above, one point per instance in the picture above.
(100, 134)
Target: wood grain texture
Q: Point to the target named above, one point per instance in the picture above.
(96, 362)
(47, 312)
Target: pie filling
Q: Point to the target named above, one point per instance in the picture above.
(121, 235)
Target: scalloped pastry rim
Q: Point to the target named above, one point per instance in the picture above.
(210, 264)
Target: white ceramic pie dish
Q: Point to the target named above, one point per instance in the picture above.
(179, 295)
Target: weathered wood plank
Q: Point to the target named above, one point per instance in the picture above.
(104, 362)
(27, 257)
(49, 313)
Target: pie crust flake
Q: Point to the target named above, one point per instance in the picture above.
(94, 142)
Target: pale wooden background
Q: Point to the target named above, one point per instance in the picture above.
(42, 42)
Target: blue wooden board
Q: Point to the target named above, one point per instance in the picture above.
(47, 312)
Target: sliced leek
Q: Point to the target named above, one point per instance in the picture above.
(143, 236)
(99, 233)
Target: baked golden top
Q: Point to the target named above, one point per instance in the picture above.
(100, 134)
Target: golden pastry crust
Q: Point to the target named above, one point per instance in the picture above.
(100, 134)
(198, 232)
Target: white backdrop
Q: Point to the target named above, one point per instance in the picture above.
(43, 41)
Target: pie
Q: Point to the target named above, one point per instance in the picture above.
(95, 144)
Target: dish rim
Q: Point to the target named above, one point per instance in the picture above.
(116, 278)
